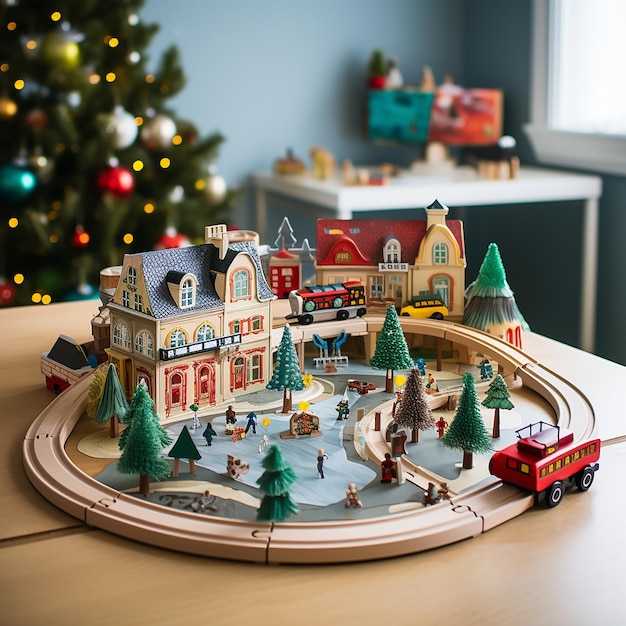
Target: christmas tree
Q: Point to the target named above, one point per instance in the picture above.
(391, 352)
(113, 405)
(286, 376)
(415, 412)
(497, 398)
(275, 481)
(467, 431)
(93, 164)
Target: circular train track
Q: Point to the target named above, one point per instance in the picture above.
(466, 515)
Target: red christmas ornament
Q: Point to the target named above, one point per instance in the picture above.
(7, 292)
(80, 238)
(116, 180)
(171, 239)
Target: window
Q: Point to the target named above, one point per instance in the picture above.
(440, 254)
(343, 257)
(125, 298)
(187, 294)
(254, 368)
(578, 116)
(204, 332)
(138, 302)
(132, 276)
(121, 335)
(241, 284)
(144, 343)
(392, 251)
(178, 337)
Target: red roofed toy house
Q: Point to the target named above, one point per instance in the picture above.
(193, 323)
(397, 260)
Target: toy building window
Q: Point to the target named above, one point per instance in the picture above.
(254, 368)
(256, 323)
(187, 294)
(125, 298)
(235, 327)
(178, 337)
(440, 254)
(121, 335)
(144, 344)
(182, 287)
(131, 276)
(204, 332)
(391, 251)
(138, 303)
(343, 257)
(241, 284)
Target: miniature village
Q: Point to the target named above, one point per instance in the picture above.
(226, 383)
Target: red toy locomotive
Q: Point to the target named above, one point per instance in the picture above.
(544, 458)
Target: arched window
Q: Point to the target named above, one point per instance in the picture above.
(204, 332)
(241, 284)
(187, 294)
(121, 335)
(391, 252)
(144, 343)
(132, 276)
(440, 254)
(178, 337)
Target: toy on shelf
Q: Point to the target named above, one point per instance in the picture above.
(209, 433)
(235, 468)
(392, 352)
(290, 164)
(323, 163)
(318, 303)
(184, 448)
(497, 161)
(394, 76)
(490, 304)
(497, 398)
(544, 459)
(113, 404)
(377, 70)
(275, 482)
(467, 431)
(286, 376)
(414, 411)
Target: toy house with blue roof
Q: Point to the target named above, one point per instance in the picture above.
(193, 323)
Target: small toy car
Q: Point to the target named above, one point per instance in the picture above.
(430, 306)
(361, 387)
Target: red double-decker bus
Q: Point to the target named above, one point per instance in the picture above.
(544, 458)
(327, 302)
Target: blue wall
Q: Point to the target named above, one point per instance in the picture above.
(274, 74)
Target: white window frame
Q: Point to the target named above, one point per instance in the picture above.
(588, 151)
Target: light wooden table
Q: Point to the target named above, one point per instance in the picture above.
(560, 566)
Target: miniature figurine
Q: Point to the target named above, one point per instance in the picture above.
(264, 444)
(431, 496)
(444, 491)
(352, 497)
(497, 398)
(196, 422)
(431, 385)
(441, 426)
(209, 433)
(388, 469)
(414, 411)
(486, 371)
(394, 77)
(251, 417)
(421, 366)
(320, 462)
(343, 409)
(231, 415)
(275, 481)
(286, 376)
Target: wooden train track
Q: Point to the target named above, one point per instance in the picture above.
(466, 515)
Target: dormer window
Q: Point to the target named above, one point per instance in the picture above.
(391, 251)
(182, 287)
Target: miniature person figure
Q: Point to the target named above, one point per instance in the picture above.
(205, 500)
(396, 403)
(431, 496)
(444, 491)
(343, 409)
(394, 77)
(320, 462)
(352, 497)
(209, 433)
(388, 469)
(251, 417)
(431, 385)
(421, 366)
(230, 415)
(486, 370)
(264, 445)
(441, 425)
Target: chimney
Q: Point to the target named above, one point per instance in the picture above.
(218, 236)
(436, 214)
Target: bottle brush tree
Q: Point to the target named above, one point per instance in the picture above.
(275, 482)
(497, 398)
(286, 376)
(415, 412)
(113, 405)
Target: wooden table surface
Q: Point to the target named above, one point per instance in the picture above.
(561, 566)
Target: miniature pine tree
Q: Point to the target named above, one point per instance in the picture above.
(414, 411)
(91, 150)
(497, 398)
(391, 352)
(184, 448)
(489, 300)
(275, 481)
(113, 405)
(467, 431)
(286, 376)
(142, 442)
(94, 393)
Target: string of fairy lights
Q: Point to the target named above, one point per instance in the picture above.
(60, 47)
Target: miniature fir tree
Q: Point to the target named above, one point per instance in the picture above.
(94, 163)
(467, 431)
(143, 441)
(94, 393)
(414, 411)
(489, 301)
(184, 448)
(391, 352)
(275, 482)
(497, 398)
(286, 376)
(113, 405)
